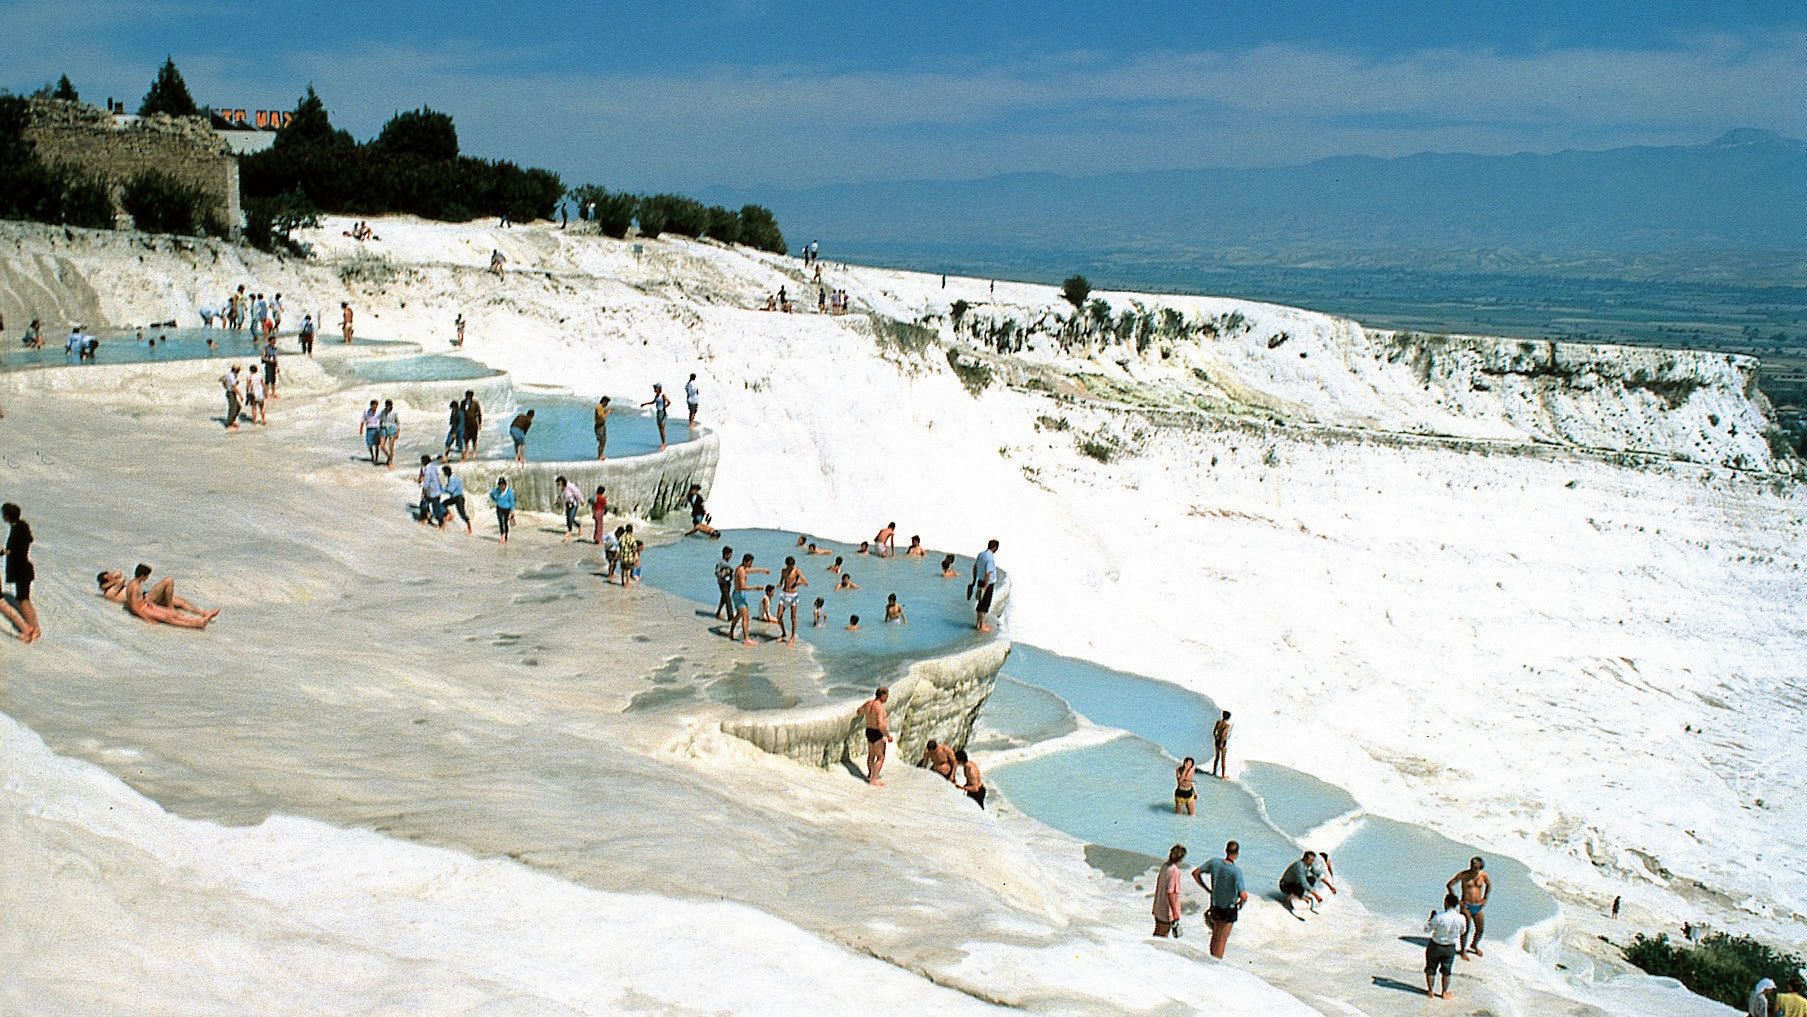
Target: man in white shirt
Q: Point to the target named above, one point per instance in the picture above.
(985, 579)
(1446, 928)
(691, 395)
(229, 382)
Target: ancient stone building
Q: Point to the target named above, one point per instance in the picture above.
(116, 147)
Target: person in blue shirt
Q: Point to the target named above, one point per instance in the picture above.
(502, 496)
(661, 406)
(985, 581)
(1229, 892)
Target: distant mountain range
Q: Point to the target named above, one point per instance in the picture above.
(1739, 197)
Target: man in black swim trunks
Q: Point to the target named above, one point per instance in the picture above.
(974, 783)
(878, 733)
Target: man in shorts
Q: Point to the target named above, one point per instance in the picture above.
(1447, 929)
(1229, 892)
(1476, 888)
(473, 423)
(790, 588)
(268, 357)
(742, 611)
(370, 424)
(939, 758)
(973, 783)
(878, 732)
(724, 584)
(1220, 742)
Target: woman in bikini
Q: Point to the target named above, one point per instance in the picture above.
(1185, 799)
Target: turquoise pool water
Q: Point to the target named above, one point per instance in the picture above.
(171, 344)
(1119, 794)
(424, 367)
(940, 617)
(564, 429)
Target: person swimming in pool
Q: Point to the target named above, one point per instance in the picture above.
(743, 613)
(878, 726)
(886, 541)
(790, 588)
(916, 550)
(820, 617)
(1185, 796)
(853, 623)
(894, 611)
(865, 547)
(947, 568)
(847, 582)
(802, 540)
(813, 549)
(1476, 888)
(835, 569)
(938, 758)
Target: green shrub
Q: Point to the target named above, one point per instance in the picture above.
(687, 217)
(422, 133)
(724, 224)
(1721, 967)
(270, 221)
(1093, 448)
(1075, 289)
(974, 376)
(651, 219)
(759, 228)
(158, 203)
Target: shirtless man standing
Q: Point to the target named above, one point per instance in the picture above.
(1476, 888)
(1220, 739)
(160, 604)
(939, 758)
(743, 612)
(886, 541)
(878, 733)
(790, 586)
(974, 784)
(345, 319)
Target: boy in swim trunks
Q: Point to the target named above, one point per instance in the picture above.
(791, 583)
(1185, 798)
(820, 617)
(878, 733)
(975, 783)
(742, 612)
(894, 611)
(765, 604)
(1476, 888)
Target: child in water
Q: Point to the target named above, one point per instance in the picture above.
(765, 605)
(820, 617)
(836, 567)
(847, 582)
(853, 623)
(947, 568)
(894, 611)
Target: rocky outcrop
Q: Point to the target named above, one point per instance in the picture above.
(646, 486)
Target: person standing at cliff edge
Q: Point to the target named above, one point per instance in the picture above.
(1220, 742)
(691, 397)
(345, 319)
(985, 581)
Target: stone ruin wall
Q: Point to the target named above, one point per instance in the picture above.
(91, 140)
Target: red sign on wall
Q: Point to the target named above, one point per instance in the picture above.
(264, 119)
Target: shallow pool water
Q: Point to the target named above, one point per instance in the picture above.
(564, 428)
(1119, 794)
(1021, 714)
(940, 617)
(424, 367)
(1402, 870)
(171, 344)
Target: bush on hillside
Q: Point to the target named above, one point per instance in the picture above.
(270, 222)
(724, 225)
(650, 218)
(1721, 967)
(1075, 289)
(159, 203)
(759, 229)
(421, 133)
(614, 212)
(687, 217)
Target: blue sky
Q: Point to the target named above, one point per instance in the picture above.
(750, 93)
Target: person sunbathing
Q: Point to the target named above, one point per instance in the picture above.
(158, 604)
